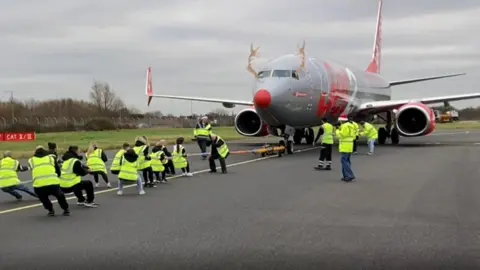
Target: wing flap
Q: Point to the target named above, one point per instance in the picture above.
(394, 83)
(381, 106)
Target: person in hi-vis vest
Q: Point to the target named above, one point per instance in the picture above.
(142, 149)
(327, 131)
(9, 181)
(96, 159)
(129, 165)
(218, 151)
(46, 182)
(179, 157)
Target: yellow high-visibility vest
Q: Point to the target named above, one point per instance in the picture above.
(69, 179)
(95, 162)
(43, 171)
(8, 172)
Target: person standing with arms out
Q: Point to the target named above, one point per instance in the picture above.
(96, 159)
(9, 181)
(371, 133)
(325, 159)
(71, 178)
(158, 161)
(46, 182)
(357, 133)
(346, 134)
(142, 149)
(115, 167)
(129, 172)
(179, 157)
(202, 132)
(169, 168)
(219, 151)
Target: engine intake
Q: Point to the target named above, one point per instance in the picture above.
(414, 119)
(248, 123)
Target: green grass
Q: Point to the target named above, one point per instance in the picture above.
(465, 125)
(109, 139)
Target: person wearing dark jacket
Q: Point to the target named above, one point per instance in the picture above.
(46, 182)
(70, 179)
(169, 168)
(158, 163)
(219, 151)
(128, 172)
(142, 150)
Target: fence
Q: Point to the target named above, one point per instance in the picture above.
(138, 122)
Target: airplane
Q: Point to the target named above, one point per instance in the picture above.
(296, 91)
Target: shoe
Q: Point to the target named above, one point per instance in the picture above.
(91, 205)
(109, 185)
(319, 168)
(328, 168)
(189, 174)
(212, 171)
(153, 185)
(19, 198)
(120, 192)
(164, 181)
(51, 213)
(370, 153)
(80, 203)
(184, 174)
(97, 185)
(224, 172)
(66, 213)
(141, 192)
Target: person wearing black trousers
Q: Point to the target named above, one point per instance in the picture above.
(169, 168)
(142, 149)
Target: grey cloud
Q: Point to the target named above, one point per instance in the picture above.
(40, 46)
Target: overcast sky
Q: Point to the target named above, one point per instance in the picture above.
(52, 48)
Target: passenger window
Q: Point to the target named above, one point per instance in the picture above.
(282, 73)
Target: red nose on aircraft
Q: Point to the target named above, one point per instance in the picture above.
(262, 99)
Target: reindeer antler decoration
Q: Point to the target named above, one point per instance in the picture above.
(301, 52)
(253, 54)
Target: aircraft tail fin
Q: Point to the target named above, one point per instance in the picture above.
(374, 66)
(148, 86)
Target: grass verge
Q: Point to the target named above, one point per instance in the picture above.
(109, 139)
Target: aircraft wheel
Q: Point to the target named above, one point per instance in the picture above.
(297, 138)
(382, 135)
(395, 137)
(310, 137)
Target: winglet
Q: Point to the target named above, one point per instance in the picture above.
(148, 86)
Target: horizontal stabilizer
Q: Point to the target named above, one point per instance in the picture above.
(394, 83)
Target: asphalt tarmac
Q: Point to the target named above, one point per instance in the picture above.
(412, 206)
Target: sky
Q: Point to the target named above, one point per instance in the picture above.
(51, 49)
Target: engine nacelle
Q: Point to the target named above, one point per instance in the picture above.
(414, 119)
(249, 124)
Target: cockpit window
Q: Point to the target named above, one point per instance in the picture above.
(282, 73)
(295, 74)
(264, 74)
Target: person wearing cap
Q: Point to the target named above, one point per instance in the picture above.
(327, 132)
(201, 133)
(96, 159)
(9, 181)
(371, 133)
(71, 175)
(346, 134)
(115, 167)
(46, 181)
(219, 151)
(142, 149)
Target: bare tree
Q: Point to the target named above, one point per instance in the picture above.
(104, 98)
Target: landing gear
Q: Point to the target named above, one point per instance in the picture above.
(388, 131)
(306, 133)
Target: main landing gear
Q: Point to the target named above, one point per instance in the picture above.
(295, 136)
(388, 131)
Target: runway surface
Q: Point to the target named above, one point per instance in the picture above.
(413, 206)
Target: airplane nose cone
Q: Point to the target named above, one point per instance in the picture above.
(262, 99)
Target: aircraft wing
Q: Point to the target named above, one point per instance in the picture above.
(381, 106)
(226, 102)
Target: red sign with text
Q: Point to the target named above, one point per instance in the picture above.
(17, 136)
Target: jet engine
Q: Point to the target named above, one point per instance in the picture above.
(414, 119)
(249, 124)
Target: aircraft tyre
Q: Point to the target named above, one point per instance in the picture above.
(309, 136)
(382, 135)
(297, 138)
(395, 137)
